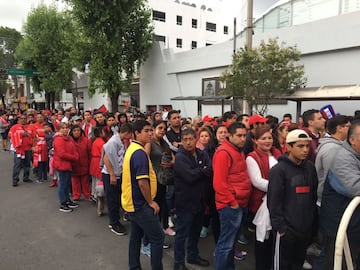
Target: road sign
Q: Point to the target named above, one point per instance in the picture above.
(26, 72)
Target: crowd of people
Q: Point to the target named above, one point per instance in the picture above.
(289, 182)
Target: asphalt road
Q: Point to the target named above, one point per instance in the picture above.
(34, 234)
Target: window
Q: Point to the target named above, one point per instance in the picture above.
(194, 23)
(159, 38)
(211, 27)
(179, 43)
(179, 20)
(193, 44)
(226, 30)
(159, 16)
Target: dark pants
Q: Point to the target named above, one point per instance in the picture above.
(161, 201)
(112, 195)
(64, 186)
(264, 254)
(42, 170)
(188, 226)
(143, 221)
(293, 251)
(21, 162)
(329, 250)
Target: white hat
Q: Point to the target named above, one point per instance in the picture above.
(297, 135)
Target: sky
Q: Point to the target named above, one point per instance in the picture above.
(13, 13)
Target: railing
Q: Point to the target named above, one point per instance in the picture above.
(296, 12)
(342, 243)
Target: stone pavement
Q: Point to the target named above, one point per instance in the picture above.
(35, 235)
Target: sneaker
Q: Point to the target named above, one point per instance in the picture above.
(76, 200)
(64, 208)
(240, 255)
(126, 217)
(118, 229)
(313, 250)
(146, 250)
(166, 245)
(72, 204)
(92, 199)
(170, 232)
(171, 223)
(28, 181)
(243, 240)
(39, 181)
(307, 265)
(204, 232)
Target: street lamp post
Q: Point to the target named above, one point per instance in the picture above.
(75, 94)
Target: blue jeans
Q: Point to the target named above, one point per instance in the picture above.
(25, 163)
(230, 221)
(188, 225)
(64, 186)
(112, 195)
(143, 221)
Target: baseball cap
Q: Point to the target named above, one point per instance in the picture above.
(76, 118)
(256, 118)
(208, 118)
(297, 135)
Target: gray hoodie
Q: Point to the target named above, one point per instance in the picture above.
(326, 152)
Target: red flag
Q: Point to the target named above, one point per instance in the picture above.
(102, 109)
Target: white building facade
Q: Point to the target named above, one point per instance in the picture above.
(330, 53)
(185, 26)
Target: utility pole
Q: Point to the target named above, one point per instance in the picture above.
(249, 33)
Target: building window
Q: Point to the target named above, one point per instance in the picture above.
(226, 30)
(179, 20)
(179, 43)
(211, 27)
(194, 23)
(193, 44)
(208, 44)
(159, 38)
(159, 16)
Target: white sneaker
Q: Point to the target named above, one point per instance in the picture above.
(170, 222)
(307, 265)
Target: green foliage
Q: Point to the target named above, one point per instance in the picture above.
(46, 48)
(263, 73)
(118, 37)
(9, 40)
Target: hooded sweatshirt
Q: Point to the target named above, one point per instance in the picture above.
(291, 197)
(326, 153)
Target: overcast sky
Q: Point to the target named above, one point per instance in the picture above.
(13, 13)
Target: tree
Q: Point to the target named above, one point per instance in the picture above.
(46, 48)
(261, 74)
(9, 40)
(119, 37)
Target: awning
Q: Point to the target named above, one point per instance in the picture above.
(331, 92)
(338, 92)
(201, 99)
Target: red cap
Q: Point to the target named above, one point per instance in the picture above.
(208, 118)
(256, 118)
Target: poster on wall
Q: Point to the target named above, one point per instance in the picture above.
(212, 86)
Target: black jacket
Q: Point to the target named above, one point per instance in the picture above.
(192, 178)
(291, 197)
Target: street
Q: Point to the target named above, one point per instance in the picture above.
(34, 234)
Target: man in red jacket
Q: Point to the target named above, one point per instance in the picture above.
(21, 136)
(232, 192)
